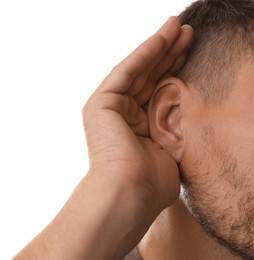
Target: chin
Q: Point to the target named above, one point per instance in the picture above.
(224, 209)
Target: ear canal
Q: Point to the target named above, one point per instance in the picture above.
(165, 119)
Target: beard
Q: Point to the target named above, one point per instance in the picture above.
(220, 197)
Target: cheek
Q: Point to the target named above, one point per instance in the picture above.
(219, 147)
(218, 164)
(210, 146)
(235, 140)
(218, 187)
(197, 151)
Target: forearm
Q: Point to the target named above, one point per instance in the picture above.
(92, 225)
(110, 211)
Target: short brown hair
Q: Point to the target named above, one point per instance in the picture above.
(223, 41)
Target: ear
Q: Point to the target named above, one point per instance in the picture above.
(165, 116)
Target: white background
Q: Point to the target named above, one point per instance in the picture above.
(53, 54)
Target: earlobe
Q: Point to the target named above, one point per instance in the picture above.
(165, 115)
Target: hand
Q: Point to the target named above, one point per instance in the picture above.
(115, 119)
(131, 178)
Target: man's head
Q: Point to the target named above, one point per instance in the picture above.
(224, 41)
(205, 118)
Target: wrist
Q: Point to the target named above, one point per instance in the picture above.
(125, 214)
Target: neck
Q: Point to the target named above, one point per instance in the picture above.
(175, 234)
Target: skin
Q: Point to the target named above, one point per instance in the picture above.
(131, 178)
(134, 156)
(176, 234)
(222, 168)
(217, 178)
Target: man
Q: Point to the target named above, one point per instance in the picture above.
(199, 121)
(203, 118)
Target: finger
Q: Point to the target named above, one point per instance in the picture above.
(139, 81)
(165, 31)
(133, 114)
(121, 107)
(156, 70)
(171, 62)
(178, 64)
(176, 67)
(122, 76)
